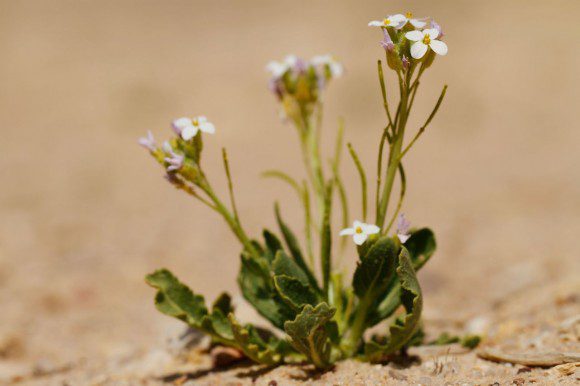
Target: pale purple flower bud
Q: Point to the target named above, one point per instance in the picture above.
(300, 66)
(148, 142)
(387, 42)
(174, 160)
(436, 26)
(406, 62)
(276, 87)
(403, 228)
(172, 179)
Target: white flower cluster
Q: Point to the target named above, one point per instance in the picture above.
(298, 65)
(414, 30)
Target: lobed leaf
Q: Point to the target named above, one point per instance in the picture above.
(375, 270)
(294, 248)
(294, 292)
(252, 344)
(404, 328)
(421, 246)
(309, 333)
(258, 289)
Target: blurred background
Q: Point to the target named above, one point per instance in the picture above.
(85, 213)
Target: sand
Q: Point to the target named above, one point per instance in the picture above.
(85, 213)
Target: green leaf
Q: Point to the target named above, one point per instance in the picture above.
(273, 245)
(404, 328)
(258, 289)
(223, 303)
(175, 299)
(252, 344)
(308, 333)
(421, 246)
(284, 265)
(375, 270)
(294, 247)
(294, 292)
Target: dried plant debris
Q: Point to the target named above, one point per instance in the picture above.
(540, 359)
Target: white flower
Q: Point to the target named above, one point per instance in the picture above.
(408, 18)
(423, 40)
(335, 67)
(188, 127)
(277, 69)
(389, 21)
(360, 231)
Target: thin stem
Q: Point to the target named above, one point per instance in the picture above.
(363, 180)
(401, 197)
(325, 239)
(180, 184)
(385, 137)
(384, 91)
(397, 143)
(230, 220)
(307, 223)
(343, 204)
(230, 185)
(422, 129)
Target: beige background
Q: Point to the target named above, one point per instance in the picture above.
(85, 214)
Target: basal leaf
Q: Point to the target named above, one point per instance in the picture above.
(284, 265)
(175, 299)
(308, 333)
(375, 270)
(294, 248)
(252, 345)
(273, 245)
(258, 289)
(294, 292)
(404, 328)
(421, 246)
(223, 303)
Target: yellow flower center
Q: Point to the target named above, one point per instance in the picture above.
(409, 15)
(358, 230)
(195, 122)
(386, 21)
(426, 39)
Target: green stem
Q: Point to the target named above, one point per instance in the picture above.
(394, 153)
(358, 327)
(227, 215)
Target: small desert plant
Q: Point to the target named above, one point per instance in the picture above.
(324, 319)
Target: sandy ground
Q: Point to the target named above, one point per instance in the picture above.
(85, 214)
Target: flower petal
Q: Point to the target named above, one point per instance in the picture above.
(432, 32)
(356, 224)
(397, 18)
(439, 47)
(371, 229)
(418, 50)
(347, 232)
(417, 23)
(359, 238)
(375, 23)
(403, 238)
(189, 132)
(414, 36)
(207, 127)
